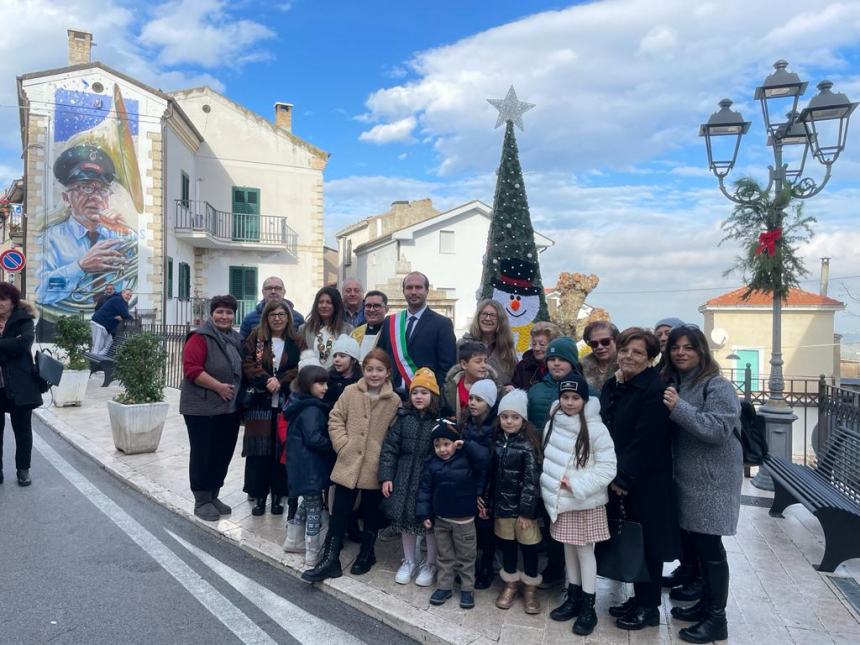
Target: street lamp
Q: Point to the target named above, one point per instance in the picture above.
(821, 127)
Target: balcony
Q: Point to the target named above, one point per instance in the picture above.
(199, 223)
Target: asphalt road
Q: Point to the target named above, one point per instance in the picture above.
(85, 559)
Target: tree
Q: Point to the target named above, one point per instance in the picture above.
(769, 230)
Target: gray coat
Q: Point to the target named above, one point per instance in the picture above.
(708, 458)
(223, 363)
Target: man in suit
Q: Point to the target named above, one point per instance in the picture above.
(418, 337)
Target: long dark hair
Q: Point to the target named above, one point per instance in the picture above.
(708, 367)
(337, 324)
(582, 447)
(432, 409)
(532, 435)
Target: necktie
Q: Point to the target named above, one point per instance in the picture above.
(409, 327)
(93, 237)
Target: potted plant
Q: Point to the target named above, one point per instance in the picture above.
(72, 339)
(137, 414)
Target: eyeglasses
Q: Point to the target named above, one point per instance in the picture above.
(90, 189)
(486, 315)
(278, 314)
(373, 305)
(603, 342)
(273, 287)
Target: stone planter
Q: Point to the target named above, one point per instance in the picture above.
(137, 428)
(72, 388)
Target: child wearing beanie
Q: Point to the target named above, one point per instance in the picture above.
(406, 447)
(344, 370)
(477, 425)
(456, 466)
(579, 464)
(513, 500)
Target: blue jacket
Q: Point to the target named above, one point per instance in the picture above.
(107, 313)
(451, 488)
(251, 320)
(310, 456)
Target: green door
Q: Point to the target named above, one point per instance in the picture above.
(246, 214)
(748, 356)
(243, 287)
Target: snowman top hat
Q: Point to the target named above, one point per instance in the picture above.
(517, 276)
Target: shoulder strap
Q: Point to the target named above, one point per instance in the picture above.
(549, 431)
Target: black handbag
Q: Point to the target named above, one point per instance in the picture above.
(48, 371)
(622, 556)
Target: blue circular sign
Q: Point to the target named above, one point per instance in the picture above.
(12, 260)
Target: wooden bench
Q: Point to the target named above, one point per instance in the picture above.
(830, 491)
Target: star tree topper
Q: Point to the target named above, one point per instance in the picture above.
(510, 108)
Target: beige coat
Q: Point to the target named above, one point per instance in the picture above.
(357, 426)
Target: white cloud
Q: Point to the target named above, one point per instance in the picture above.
(202, 32)
(395, 132)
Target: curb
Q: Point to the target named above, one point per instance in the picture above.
(410, 621)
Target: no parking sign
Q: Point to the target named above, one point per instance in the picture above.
(13, 261)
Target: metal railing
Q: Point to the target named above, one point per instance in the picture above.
(224, 226)
(838, 407)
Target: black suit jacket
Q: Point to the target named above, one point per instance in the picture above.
(432, 345)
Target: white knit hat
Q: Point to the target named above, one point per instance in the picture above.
(346, 344)
(485, 389)
(515, 401)
(308, 357)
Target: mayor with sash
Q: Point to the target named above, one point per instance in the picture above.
(417, 337)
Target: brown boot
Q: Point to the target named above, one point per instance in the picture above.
(531, 604)
(509, 593)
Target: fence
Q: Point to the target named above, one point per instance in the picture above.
(837, 407)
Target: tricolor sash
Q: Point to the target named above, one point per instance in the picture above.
(397, 336)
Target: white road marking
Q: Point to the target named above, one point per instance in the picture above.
(301, 625)
(220, 607)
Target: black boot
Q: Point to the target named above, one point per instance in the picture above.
(329, 565)
(222, 508)
(571, 606)
(203, 507)
(688, 592)
(682, 574)
(24, 477)
(277, 505)
(693, 613)
(484, 573)
(259, 507)
(353, 530)
(640, 618)
(714, 626)
(587, 620)
(366, 555)
(619, 611)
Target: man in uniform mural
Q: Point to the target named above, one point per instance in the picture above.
(88, 239)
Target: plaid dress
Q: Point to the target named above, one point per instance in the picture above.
(581, 527)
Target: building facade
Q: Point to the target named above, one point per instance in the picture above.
(178, 196)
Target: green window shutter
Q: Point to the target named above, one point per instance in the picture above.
(169, 272)
(185, 189)
(246, 214)
(243, 283)
(184, 281)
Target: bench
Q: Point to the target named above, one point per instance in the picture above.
(106, 363)
(830, 491)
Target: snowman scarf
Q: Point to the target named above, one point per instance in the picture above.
(397, 337)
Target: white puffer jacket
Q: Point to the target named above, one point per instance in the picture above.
(589, 484)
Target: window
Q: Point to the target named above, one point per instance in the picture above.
(184, 281)
(168, 272)
(347, 253)
(446, 241)
(185, 189)
(246, 214)
(243, 283)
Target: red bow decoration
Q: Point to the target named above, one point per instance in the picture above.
(767, 242)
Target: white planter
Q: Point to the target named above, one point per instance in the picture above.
(137, 428)
(72, 388)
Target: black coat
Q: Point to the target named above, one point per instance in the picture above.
(406, 448)
(432, 345)
(515, 490)
(638, 422)
(16, 359)
(482, 435)
(337, 383)
(310, 456)
(451, 488)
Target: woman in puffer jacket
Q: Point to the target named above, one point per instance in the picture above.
(579, 464)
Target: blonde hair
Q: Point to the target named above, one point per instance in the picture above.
(546, 328)
(503, 343)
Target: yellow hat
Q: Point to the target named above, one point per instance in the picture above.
(424, 377)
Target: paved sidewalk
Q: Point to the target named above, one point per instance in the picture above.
(776, 594)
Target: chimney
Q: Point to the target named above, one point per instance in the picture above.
(284, 116)
(825, 276)
(80, 47)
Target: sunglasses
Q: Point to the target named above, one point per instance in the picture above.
(603, 342)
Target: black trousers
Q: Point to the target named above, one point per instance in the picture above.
(648, 594)
(266, 473)
(486, 538)
(706, 548)
(689, 558)
(212, 440)
(22, 427)
(368, 509)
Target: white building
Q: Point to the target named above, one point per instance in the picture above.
(200, 196)
(448, 247)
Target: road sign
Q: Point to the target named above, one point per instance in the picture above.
(12, 260)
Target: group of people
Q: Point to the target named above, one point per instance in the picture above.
(362, 420)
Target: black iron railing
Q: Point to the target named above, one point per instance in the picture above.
(224, 226)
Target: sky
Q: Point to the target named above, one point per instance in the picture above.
(396, 91)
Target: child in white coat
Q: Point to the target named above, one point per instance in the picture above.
(579, 463)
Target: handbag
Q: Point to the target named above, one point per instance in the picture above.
(622, 556)
(48, 371)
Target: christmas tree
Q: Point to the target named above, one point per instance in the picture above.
(511, 273)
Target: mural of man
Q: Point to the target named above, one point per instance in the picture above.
(85, 241)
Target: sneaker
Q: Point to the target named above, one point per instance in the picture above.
(440, 596)
(426, 575)
(405, 572)
(467, 599)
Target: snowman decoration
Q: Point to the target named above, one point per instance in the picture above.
(514, 289)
